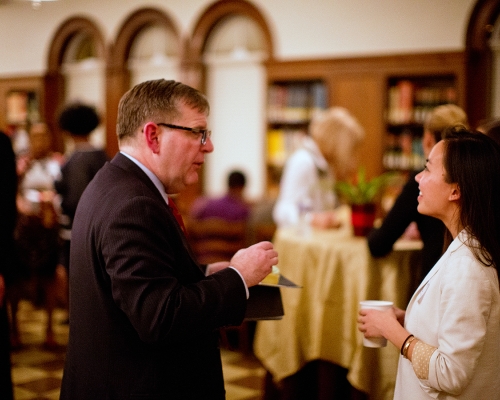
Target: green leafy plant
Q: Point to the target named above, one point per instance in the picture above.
(364, 191)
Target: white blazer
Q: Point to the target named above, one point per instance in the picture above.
(456, 309)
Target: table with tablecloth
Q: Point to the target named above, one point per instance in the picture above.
(336, 271)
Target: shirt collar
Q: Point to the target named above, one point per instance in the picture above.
(150, 174)
(319, 160)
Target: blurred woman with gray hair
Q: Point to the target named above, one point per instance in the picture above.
(309, 175)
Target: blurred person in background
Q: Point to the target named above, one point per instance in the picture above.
(232, 206)
(403, 217)
(492, 129)
(77, 120)
(328, 155)
(37, 231)
(8, 210)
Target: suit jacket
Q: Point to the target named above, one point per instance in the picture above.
(457, 310)
(76, 174)
(144, 317)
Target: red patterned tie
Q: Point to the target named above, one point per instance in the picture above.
(177, 215)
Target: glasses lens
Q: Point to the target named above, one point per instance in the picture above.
(205, 136)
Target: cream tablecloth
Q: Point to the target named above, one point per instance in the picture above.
(335, 271)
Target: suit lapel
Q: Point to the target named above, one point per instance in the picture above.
(125, 163)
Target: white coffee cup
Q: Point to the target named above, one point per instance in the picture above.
(381, 305)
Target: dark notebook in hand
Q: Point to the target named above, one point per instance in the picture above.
(265, 300)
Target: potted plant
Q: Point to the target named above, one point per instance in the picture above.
(361, 195)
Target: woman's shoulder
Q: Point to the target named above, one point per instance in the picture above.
(464, 264)
(301, 158)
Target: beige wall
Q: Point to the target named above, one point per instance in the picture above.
(309, 28)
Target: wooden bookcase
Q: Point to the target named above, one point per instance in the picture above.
(290, 107)
(410, 99)
(21, 101)
(362, 85)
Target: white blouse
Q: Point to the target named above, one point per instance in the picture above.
(306, 185)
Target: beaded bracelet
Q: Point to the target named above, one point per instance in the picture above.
(404, 343)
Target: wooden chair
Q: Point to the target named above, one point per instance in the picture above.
(265, 231)
(216, 239)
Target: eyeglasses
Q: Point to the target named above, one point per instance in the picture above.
(205, 133)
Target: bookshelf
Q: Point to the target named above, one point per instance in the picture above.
(290, 107)
(409, 101)
(21, 101)
(22, 107)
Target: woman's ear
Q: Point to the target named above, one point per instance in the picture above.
(151, 134)
(455, 192)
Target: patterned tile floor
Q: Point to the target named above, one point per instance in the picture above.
(37, 372)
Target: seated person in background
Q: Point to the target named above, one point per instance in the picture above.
(217, 227)
(404, 210)
(308, 180)
(231, 207)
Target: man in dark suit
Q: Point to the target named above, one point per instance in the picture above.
(144, 313)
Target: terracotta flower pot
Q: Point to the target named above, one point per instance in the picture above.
(362, 217)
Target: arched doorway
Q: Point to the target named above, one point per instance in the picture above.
(133, 58)
(84, 81)
(229, 46)
(480, 76)
(77, 40)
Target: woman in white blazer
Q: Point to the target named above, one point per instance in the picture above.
(449, 335)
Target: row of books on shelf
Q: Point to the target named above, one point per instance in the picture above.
(295, 103)
(22, 106)
(395, 159)
(281, 143)
(410, 103)
(403, 153)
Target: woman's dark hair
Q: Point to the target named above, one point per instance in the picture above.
(78, 119)
(472, 161)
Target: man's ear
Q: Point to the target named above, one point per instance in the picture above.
(151, 134)
(455, 192)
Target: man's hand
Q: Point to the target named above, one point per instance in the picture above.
(255, 262)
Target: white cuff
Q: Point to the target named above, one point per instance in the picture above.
(244, 283)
